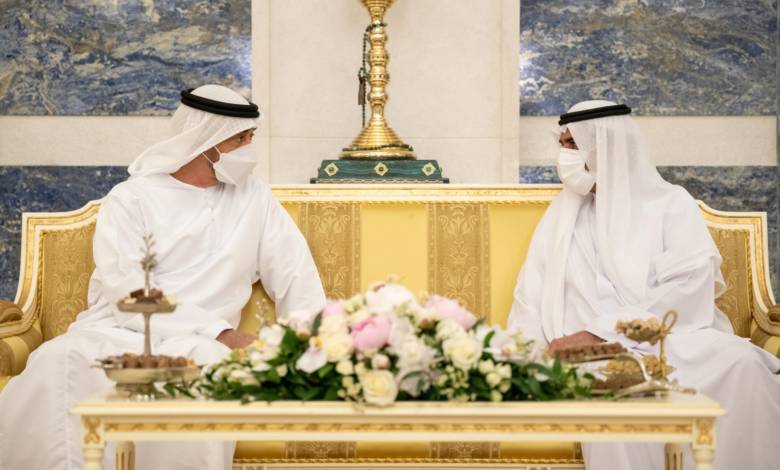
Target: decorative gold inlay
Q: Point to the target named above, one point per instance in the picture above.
(320, 450)
(331, 169)
(465, 450)
(381, 169)
(459, 254)
(91, 430)
(428, 169)
(704, 429)
(333, 233)
(563, 428)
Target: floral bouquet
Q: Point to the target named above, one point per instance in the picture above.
(383, 345)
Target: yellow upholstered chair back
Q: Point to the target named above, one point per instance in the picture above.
(466, 242)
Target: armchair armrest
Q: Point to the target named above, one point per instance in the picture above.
(764, 339)
(15, 349)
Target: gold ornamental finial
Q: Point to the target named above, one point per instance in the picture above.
(377, 140)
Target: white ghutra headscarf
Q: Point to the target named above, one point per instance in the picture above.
(195, 131)
(631, 199)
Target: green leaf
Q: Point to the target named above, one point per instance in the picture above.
(315, 327)
(488, 338)
(325, 370)
(332, 394)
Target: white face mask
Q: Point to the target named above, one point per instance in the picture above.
(572, 172)
(234, 167)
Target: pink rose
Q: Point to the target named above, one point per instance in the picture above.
(371, 333)
(333, 307)
(451, 309)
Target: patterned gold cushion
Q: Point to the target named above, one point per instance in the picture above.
(67, 266)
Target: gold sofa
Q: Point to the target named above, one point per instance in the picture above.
(466, 242)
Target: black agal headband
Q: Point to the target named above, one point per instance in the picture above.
(595, 113)
(218, 107)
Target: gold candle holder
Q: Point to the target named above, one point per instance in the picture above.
(377, 141)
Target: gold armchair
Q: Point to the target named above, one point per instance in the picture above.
(466, 242)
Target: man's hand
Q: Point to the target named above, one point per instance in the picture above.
(583, 338)
(235, 339)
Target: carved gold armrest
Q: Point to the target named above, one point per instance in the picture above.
(15, 348)
(9, 311)
(764, 339)
(774, 314)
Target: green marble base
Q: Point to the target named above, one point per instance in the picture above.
(379, 171)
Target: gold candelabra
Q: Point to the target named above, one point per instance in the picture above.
(377, 140)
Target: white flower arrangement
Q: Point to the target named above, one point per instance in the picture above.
(382, 346)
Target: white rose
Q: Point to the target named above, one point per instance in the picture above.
(448, 328)
(495, 395)
(379, 387)
(504, 387)
(345, 367)
(486, 367)
(333, 324)
(385, 298)
(337, 347)
(281, 370)
(380, 361)
(401, 332)
(463, 351)
(493, 379)
(415, 355)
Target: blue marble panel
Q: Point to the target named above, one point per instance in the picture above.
(662, 57)
(43, 189)
(96, 57)
(727, 188)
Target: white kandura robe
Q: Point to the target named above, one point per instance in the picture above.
(702, 347)
(212, 244)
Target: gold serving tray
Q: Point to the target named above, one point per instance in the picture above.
(139, 383)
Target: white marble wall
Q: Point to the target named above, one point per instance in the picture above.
(453, 96)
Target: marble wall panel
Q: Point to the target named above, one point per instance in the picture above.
(99, 57)
(727, 188)
(43, 189)
(663, 57)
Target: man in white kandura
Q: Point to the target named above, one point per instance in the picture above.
(619, 242)
(217, 230)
